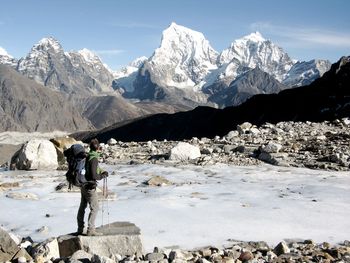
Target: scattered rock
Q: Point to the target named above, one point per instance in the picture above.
(205, 252)
(22, 196)
(43, 230)
(21, 260)
(81, 255)
(22, 256)
(112, 142)
(158, 181)
(8, 186)
(244, 128)
(232, 134)
(154, 256)
(281, 248)
(8, 247)
(313, 145)
(272, 147)
(246, 256)
(184, 151)
(101, 259)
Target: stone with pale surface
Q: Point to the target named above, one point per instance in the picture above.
(36, 155)
(122, 238)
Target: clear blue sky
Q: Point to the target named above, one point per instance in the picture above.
(122, 30)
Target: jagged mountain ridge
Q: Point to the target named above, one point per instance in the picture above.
(70, 72)
(327, 98)
(185, 60)
(48, 64)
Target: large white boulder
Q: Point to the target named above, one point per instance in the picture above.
(184, 151)
(36, 154)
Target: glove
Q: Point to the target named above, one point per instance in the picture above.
(104, 174)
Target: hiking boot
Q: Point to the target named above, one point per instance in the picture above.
(93, 233)
(80, 231)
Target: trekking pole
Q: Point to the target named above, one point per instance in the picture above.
(103, 188)
(107, 202)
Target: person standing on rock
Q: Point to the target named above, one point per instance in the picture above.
(88, 190)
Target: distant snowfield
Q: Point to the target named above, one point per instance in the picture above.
(205, 206)
(12, 137)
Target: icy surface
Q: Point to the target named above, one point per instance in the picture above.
(204, 206)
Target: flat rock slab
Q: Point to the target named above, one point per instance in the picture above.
(119, 228)
(121, 238)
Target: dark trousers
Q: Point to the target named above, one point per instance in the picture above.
(88, 196)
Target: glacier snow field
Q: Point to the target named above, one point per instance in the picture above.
(203, 205)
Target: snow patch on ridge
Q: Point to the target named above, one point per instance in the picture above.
(3, 52)
(89, 56)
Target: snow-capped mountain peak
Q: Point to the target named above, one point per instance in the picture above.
(175, 31)
(253, 51)
(183, 58)
(89, 56)
(254, 37)
(48, 43)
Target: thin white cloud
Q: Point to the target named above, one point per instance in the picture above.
(315, 36)
(133, 25)
(109, 52)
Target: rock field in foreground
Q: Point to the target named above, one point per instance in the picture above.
(114, 248)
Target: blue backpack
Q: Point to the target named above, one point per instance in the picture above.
(76, 158)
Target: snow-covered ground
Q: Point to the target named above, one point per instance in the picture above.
(204, 206)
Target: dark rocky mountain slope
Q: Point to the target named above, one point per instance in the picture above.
(250, 83)
(26, 105)
(326, 98)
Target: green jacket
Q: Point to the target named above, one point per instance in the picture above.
(93, 171)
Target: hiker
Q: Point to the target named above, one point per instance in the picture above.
(88, 189)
